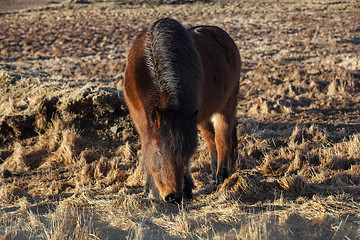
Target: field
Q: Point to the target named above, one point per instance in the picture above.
(69, 154)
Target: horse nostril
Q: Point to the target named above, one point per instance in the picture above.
(172, 199)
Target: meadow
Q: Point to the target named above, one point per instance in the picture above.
(70, 155)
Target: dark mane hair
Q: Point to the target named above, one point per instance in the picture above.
(178, 134)
(174, 64)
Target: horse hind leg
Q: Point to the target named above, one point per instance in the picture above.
(223, 142)
(234, 150)
(224, 133)
(208, 132)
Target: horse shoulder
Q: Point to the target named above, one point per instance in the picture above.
(136, 82)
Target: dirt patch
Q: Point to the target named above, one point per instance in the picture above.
(17, 5)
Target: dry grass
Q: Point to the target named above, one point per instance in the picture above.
(70, 156)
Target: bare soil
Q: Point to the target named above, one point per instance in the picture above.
(69, 154)
(18, 5)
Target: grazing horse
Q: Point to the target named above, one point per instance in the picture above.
(176, 81)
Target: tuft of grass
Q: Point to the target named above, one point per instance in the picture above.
(68, 221)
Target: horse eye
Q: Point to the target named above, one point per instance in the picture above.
(158, 151)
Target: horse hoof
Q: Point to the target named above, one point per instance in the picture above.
(172, 199)
(188, 195)
(219, 181)
(221, 175)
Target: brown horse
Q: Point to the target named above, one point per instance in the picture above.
(176, 80)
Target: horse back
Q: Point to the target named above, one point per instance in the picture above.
(221, 66)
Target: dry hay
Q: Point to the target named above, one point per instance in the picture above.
(70, 156)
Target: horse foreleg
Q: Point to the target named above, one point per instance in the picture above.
(147, 186)
(188, 183)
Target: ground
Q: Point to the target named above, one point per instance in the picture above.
(69, 154)
(24, 5)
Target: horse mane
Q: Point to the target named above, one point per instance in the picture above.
(174, 64)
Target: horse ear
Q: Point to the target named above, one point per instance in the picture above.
(155, 116)
(194, 116)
